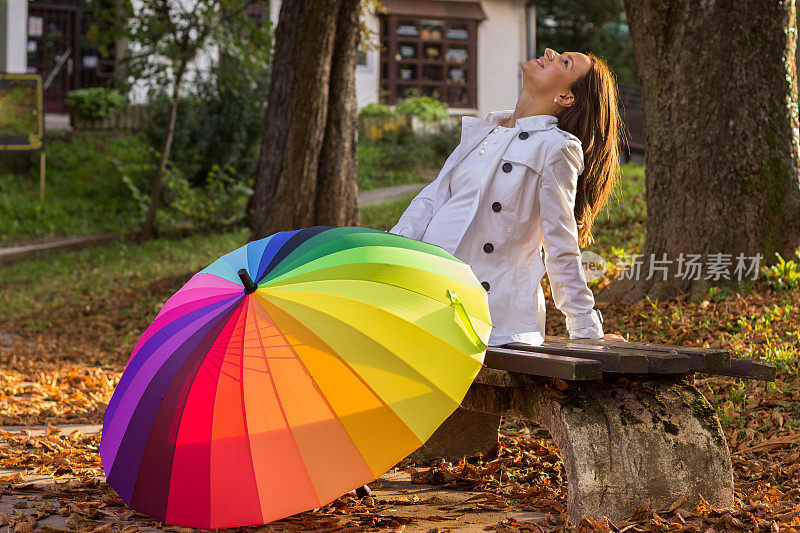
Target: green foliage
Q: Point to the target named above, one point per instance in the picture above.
(376, 110)
(598, 26)
(783, 276)
(17, 103)
(398, 158)
(218, 125)
(95, 102)
(165, 36)
(424, 107)
(220, 203)
(219, 120)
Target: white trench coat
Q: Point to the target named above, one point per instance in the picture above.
(525, 204)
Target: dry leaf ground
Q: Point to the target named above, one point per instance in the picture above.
(70, 322)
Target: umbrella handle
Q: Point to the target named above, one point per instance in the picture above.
(461, 313)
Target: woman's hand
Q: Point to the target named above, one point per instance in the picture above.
(613, 337)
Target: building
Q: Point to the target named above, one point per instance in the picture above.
(48, 37)
(466, 53)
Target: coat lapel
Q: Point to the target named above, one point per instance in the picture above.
(472, 131)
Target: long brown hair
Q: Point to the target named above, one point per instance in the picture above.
(594, 118)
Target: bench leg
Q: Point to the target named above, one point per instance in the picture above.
(622, 447)
(465, 432)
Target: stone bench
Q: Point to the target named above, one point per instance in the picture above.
(628, 421)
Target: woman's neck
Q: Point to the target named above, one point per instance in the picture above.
(527, 106)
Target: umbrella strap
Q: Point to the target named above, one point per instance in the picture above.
(461, 313)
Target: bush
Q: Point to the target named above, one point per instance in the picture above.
(424, 107)
(397, 159)
(219, 203)
(376, 110)
(783, 276)
(95, 102)
(218, 125)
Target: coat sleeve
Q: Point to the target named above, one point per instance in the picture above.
(557, 190)
(415, 219)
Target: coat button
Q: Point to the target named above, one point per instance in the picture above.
(485, 285)
(507, 167)
(488, 247)
(523, 135)
(496, 207)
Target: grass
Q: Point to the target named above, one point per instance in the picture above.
(85, 193)
(105, 296)
(84, 190)
(86, 310)
(622, 222)
(384, 216)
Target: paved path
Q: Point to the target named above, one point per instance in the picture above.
(18, 253)
(431, 505)
(385, 194)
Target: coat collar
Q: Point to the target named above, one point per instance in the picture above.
(531, 123)
(474, 129)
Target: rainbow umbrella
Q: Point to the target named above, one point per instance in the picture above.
(249, 401)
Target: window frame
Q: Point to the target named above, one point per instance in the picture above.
(390, 80)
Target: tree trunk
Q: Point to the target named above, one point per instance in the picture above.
(295, 119)
(148, 228)
(719, 88)
(337, 178)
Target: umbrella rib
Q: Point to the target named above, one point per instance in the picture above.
(244, 411)
(213, 405)
(355, 373)
(285, 418)
(432, 384)
(183, 406)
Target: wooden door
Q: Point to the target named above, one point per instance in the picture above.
(59, 38)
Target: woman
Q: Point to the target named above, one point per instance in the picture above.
(524, 180)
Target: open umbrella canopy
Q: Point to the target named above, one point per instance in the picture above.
(291, 371)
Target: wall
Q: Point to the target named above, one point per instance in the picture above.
(368, 76)
(501, 50)
(13, 36)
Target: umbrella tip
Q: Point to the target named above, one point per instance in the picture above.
(249, 286)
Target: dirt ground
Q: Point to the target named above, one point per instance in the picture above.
(39, 505)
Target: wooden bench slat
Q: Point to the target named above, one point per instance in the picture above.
(610, 361)
(709, 358)
(539, 364)
(668, 363)
(746, 368)
(639, 345)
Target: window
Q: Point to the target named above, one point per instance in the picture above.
(429, 56)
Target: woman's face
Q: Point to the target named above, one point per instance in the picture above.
(552, 74)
